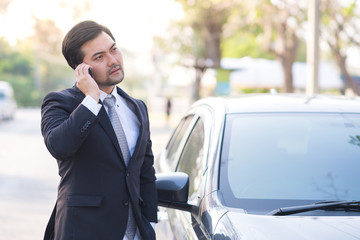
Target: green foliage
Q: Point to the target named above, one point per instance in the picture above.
(223, 75)
(206, 18)
(301, 51)
(15, 63)
(30, 74)
(243, 44)
(350, 9)
(24, 90)
(53, 77)
(17, 69)
(256, 90)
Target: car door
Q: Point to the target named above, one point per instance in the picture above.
(192, 159)
(167, 162)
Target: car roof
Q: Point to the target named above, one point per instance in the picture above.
(266, 103)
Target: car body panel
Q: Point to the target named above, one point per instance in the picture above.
(259, 227)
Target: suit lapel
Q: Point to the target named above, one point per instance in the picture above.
(105, 123)
(136, 109)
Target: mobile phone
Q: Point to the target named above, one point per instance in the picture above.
(91, 72)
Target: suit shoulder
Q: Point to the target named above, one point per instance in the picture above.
(61, 94)
(62, 97)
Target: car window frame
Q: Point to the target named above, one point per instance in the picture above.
(205, 114)
(173, 162)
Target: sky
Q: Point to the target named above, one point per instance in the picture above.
(133, 23)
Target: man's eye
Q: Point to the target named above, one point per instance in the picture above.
(99, 57)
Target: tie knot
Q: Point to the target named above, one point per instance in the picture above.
(109, 101)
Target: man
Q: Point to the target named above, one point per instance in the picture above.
(107, 189)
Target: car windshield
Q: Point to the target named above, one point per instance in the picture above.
(295, 156)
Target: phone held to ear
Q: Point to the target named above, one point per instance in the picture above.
(91, 73)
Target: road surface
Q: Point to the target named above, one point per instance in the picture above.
(28, 174)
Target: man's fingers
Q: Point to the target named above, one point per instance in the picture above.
(82, 69)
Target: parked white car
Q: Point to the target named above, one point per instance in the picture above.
(8, 104)
(263, 167)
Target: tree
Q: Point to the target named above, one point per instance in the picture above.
(277, 21)
(282, 20)
(47, 36)
(341, 31)
(206, 19)
(243, 41)
(35, 65)
(50, 68)
(16, 68)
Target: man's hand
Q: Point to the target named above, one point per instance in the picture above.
(86, 83)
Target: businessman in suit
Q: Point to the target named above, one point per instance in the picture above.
(107, 189)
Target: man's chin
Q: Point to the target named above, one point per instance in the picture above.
(115, 80)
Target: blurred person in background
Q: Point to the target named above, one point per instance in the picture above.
(168, 109)
(100, 137)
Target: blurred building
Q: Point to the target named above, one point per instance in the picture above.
(263, 73)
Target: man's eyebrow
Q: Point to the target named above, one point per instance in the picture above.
(112, 45)
(101, 52)
(97, 53)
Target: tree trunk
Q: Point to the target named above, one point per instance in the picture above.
(213, 38)
(287, 58)
(286, 65)
(196, 93)
(349, 82)
(200, 68)
(286, 44)
(213, 53)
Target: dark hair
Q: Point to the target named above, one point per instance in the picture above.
(77, 36)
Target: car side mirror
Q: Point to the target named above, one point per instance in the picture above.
(173, 190)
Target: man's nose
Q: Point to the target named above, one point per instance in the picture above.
(111, 60)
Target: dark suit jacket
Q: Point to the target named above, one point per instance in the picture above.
(96, 186)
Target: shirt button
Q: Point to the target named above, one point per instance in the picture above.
(127, 174)
(125, 203)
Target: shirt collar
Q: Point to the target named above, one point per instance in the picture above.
(103, 94)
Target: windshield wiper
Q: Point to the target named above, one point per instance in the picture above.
(348, 205)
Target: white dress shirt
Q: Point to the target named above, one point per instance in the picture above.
(128, 119)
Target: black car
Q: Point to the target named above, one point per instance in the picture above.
(264, 167)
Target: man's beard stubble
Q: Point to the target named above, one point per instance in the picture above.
(110, 81)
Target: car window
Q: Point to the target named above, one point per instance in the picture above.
(192, 157)
(175, 141)
(291, 156)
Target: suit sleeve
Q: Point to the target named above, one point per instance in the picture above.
(65, 124)
(148, 187)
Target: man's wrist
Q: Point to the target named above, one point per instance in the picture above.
(90, 103)
(95, 96)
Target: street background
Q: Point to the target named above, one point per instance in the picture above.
(192, 50)
(28, 173)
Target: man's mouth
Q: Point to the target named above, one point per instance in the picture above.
(115, 70)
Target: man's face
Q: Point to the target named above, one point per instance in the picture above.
(105, 59)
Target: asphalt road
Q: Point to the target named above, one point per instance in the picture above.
(28, 174)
